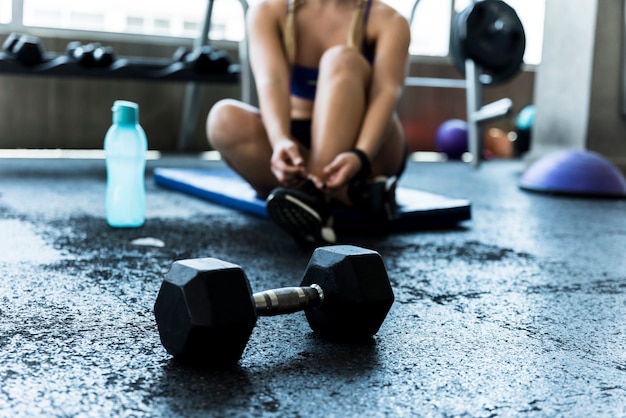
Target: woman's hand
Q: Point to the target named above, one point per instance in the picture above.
(341, 170)
(287, 163)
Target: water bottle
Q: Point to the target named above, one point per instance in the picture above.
(125, 147)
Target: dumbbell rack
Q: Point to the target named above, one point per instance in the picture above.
(163, 69)
(148, 69)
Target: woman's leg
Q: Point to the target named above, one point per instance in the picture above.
(235, 130)
(340, 106)
(392, 155)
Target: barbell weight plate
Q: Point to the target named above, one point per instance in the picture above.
(495, 36)
(491, 34)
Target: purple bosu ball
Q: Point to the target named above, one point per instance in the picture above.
(575, 172)
(451, 138)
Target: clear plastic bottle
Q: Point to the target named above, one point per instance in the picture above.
(125, 146)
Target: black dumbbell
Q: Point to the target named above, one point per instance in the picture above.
(9, 43)
(92, 55)
(26, 49)
(180, 54)
(205, 59)
(205, 310)
(104, 56)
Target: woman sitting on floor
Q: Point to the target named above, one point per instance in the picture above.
(329, 74)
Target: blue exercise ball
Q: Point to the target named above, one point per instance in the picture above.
(575, 172)
(451, 138)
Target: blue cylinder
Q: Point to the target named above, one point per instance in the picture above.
(125, 146)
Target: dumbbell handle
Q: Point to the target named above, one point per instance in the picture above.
(287, 300)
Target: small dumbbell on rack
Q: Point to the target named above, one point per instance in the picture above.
(27, 50)
(205, 310)
(91, 55)
(204, 59)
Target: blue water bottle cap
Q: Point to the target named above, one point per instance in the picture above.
(125, 112)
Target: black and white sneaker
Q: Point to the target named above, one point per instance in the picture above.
(303, 212)
(377, 196)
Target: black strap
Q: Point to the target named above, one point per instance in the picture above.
(366, 166)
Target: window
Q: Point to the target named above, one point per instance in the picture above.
(85, 20)
(135, 24)
(135, 17)
(5, 11)
(430, 27)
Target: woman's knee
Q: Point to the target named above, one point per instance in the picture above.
(342, 59)
(226, 121)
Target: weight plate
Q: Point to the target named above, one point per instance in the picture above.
(491, 34)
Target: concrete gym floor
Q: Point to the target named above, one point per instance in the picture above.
(519, 312)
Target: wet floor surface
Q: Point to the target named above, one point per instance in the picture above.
(519, 312)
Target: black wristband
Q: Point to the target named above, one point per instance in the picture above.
(366, 166)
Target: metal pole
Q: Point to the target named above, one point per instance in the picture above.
(474, 103)
(191, 104)
(248, 88)
(17, 14)
(413, 10)
(623, 69)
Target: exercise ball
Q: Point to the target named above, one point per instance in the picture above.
(575, 172)
(497, 144)
(451, 138)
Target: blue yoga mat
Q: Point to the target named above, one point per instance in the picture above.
(416, 209)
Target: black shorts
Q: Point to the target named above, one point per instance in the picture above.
(301, 131)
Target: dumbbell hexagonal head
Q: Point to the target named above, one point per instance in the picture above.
(357, 292)
(207, 60)
(9, 43)
(29, 50)
(204, 312)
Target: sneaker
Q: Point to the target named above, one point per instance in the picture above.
(377, 196)
(303, 212)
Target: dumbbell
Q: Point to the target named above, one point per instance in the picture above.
(26, 49)
(180, 54)
(205, 311)
(92, 55)
(204, 59)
